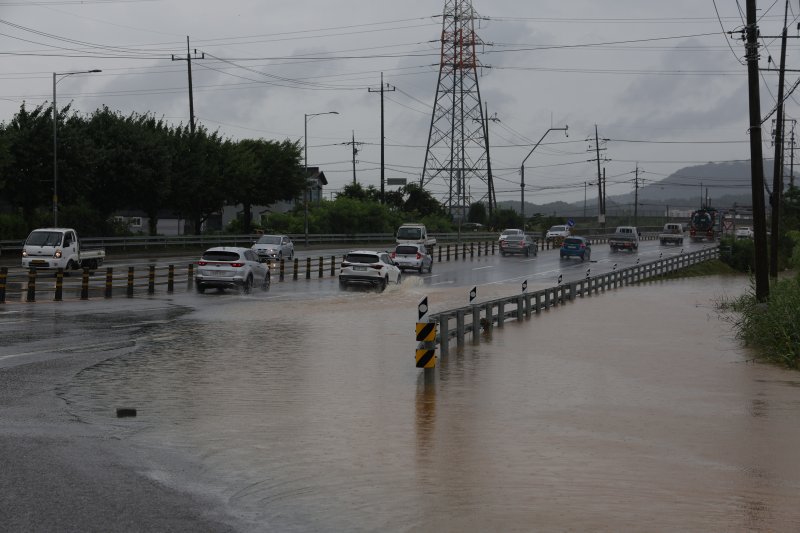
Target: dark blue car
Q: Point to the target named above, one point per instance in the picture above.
(576, 247)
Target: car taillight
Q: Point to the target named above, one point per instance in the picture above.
(394, 254)
(202, 263)
(583, 245)
(237, 265)
(419, 255)
(377, 266)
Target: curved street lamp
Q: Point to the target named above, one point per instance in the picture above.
(306, 117)
(56, 75)
(522, 171)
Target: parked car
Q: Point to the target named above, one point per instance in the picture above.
(274, 247)
(228, 267)
(510, 231)
(556, 233)
(745, 232)
(518, 244)
(412, 256)
(368, 267)
(576, 247)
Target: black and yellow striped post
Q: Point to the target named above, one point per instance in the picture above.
(486, 248)
(448, 252)
(426, 345)
(440, 253)
(109, 281)
(294, 274)
(282, 270)
(472, 250)
(171, 279)
(130, 282)
(308, 268)
(31, 297)
(151, 280)
(3, 278)
(321, 264)
(463, 251)
(85, 284)
(190, 276)
(59, 285)
(479, 248)
(333, 265)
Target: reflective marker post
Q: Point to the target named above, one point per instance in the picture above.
(426, 338)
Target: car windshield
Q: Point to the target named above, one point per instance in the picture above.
(510, 232)
(406, 250)
(572, 240)
(409, 233)
(361, 258)
(269, 239)
(558, 228)
(515, 238)
(220, 255)
(44, 238)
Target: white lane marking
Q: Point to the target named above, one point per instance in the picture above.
(483, 268)
(73, 349)
(444, 283)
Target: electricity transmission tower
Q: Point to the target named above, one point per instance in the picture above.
(457, 140)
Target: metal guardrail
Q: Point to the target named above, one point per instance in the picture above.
(485, 315)
(134, 243)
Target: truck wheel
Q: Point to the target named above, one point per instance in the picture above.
(72, 265)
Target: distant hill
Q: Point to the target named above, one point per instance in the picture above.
(725, 184)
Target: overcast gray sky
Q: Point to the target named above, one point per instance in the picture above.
(660, 79)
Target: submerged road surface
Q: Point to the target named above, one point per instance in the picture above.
(284, 411)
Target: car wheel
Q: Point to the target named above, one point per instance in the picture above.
(267, 281)
(382, 284)
(503, 254)
(400, 278)
(72, 265)
(527, 252)
(342, 284)
(247, 286)
(421, 268)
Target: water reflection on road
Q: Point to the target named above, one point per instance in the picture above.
(630, 410)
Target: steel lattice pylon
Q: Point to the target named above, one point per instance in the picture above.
(458, 139)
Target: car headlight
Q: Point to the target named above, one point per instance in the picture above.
(57, 255)
(24, 253)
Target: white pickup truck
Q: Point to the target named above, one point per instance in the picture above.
(415, 234)
(53, 248)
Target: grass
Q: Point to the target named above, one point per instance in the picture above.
(713, 267)
(772, 328)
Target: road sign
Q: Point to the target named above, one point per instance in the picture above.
(570, 222)
(422, 309)
(525, 285)
(473, 293)
(395, 181)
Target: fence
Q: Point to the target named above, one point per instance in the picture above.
(457, 323)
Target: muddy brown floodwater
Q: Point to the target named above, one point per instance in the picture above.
(633, 410)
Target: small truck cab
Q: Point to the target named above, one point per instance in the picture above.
(415, 234)
(671, 234)
(54, 248)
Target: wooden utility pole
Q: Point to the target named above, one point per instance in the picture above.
(188, 60)
(384, 88)
(756, 156)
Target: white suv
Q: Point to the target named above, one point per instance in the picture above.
(228, 267)
(368, 267)
(557, 233)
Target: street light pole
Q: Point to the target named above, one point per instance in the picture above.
(55, 137)
(305, 165)
(522, 170)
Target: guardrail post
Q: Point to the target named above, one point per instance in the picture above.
(476, 324)
(151, 280)
(444, 334)
(527, 305)
(488, 314)
(538, 302)
(460, 329)
(546, 298)
(319, 270)
(572, 287)
(520, 300)
(31, 297)
(59, 296)
(294, 274)
(130, 282)
(308, 268)
(171, 279)
(85, 284)
(3, 278)
(109, 281)
(333, 265)
(501, 313)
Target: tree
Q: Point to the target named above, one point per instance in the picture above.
(477, 213)
(420, 201)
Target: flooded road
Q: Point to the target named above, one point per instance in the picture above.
(632, 410)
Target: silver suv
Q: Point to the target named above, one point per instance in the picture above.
(275, 247)
(368, 267)
(227, 267)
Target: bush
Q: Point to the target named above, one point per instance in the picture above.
(738, 253)
(772, 328)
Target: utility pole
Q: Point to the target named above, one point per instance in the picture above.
(756, 155)
(188, 60)
(490, 194)
(601, 201)
(791, 157)
(777, 170)
(384, 88)
(354, 144)
(636, 197)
